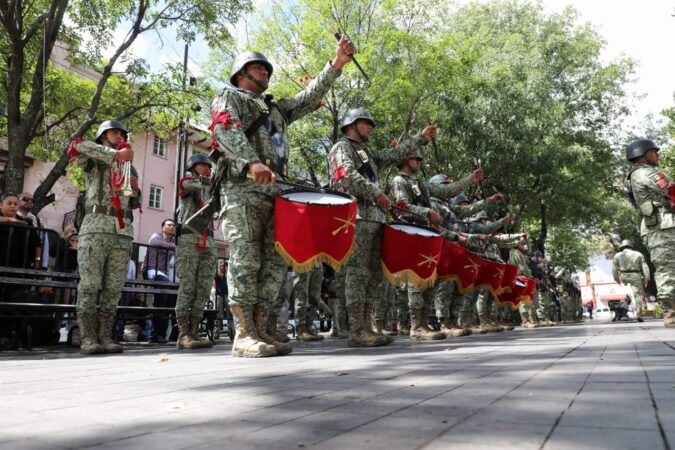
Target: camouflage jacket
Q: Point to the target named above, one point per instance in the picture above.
(630, 266)
(354, 169)
(193, 193)
(650, 189)
(96, 161)
(517, 258)
(417, 194)
(244, 108)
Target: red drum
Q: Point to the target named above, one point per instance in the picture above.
(311, 228)
(490, 276)
(410, 253)
(460, 265)
(522, 291)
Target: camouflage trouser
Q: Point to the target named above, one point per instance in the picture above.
(661, 245)
(307, 294)
(418, 298)
(568, 307)
(469, 308)
(340, 297)
(386, 300)
(256, 271)
(637, 289)
(446, 298)
(528, 311)
(484, 305)
(402, 306)
(103, 261)
(363, 273)
(543, 305)
(196, 270)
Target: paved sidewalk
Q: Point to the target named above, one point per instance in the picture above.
(567, 387)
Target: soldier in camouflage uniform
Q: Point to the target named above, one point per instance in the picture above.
(106, 235)
(250, 130)
(542, 301)
(567, 305)
(518, 256)
(307, 297)
(195, 254)
(354, 169)
(416, 196)
(630, 267)
(654, 196)
(385, 305)
(340, 313)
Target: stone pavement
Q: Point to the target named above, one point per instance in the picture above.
(567, 387)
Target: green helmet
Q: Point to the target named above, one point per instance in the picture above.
(626, 243)
(439, 178)
(639, 147)
(110, 125)
(246, 58)
(461, 198)
(413, 153)
(196, 159)
(354, 114)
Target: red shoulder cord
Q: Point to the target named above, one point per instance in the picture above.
(200, 245)
(225, 118)
(72, 151)
(115, 185)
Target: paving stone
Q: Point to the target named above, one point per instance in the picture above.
(597, 438)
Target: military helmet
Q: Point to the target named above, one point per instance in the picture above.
(639, 147)
(196, 159)
(439, 178)
(412, 153)
(626, 243)
(461, 198)
(354, 114)
(245, 58)
(480, 215)
(110, 125)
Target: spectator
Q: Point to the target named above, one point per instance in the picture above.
(66, 251)
(20, 244)
(25, 213)
(156, 267)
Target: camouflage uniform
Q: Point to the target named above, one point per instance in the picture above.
(307, 296)
(527, 313)
(256, 270)
(195, 262)
(104, 247)
(341, 317)
(354, 169)
(629, 267)
(650, 187)
(417, 195)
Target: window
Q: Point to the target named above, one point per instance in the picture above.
(159, 147)
(156, 194)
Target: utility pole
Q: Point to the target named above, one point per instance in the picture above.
(181, 145)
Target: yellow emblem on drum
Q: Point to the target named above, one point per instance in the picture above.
(429, 260)
(346, 223)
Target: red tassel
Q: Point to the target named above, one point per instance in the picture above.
(71, 149)
(181, 186)
(115, 200)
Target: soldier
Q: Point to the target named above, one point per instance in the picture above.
(416, 195)
(654, 197)
(354, 168)
(195, 255)
(340, 313)
(306, 295)
(251, 131)
(629, 267)
(106, 234)
(518, 256)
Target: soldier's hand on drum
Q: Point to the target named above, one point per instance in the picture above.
(477, 175)
(343, 53)
(382, 201)
(260, 173)
(429, 132)
(461, 240)
(434, 218)
(126, 154)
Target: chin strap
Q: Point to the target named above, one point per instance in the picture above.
(261, 84)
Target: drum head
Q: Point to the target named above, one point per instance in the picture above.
(414, 229)
(316, 198)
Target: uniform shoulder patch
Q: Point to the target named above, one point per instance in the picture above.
(655, 177)
(662, 183)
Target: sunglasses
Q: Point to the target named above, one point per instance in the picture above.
(26, 199)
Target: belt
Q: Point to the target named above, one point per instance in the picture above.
(364, 202)
(631, 271)
(107, 210)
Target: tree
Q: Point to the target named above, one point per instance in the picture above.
(29, 33)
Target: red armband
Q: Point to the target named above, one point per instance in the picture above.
(671, 192)
(72, 151)
(223, 117)
(181, 186)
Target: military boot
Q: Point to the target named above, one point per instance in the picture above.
(260, 321)
(449, 329)
(184, 341)
(384, 329)
(419, 330)
(273, 330)
(104, 334)
(669, 316)
(371, 327)
(403, 329)
(194, 334)
(246, 342)
(343, 325)
(497, 327)
(88, 342)
(357, 335)
(303, 334)
(446, 327)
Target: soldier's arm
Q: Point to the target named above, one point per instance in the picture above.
(92, 150)
(469, 210)
(659, 182)
(394, 155)
(646, 273)
(507, 239)
(450, 190)
(400, 194)
(615, 269)
(192, 184)
(307, 100)
(231, 139)
(488, 227)
(345, 176)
